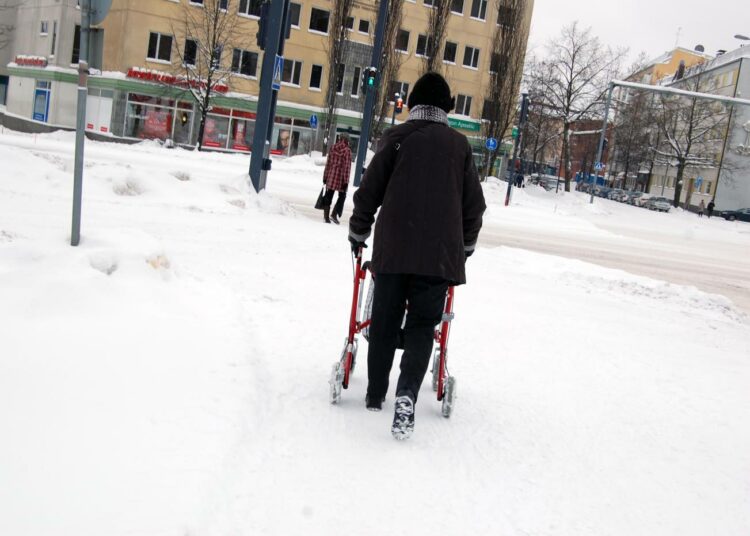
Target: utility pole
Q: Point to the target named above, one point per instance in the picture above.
(83, 76)
(518, 144)
(273, 33)
(377, 52)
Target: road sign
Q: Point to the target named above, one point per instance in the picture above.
(491, 144)
(514, 132)
(314, 121)
(698, 182)
(599, 166)
(278, 66)
(99, 10)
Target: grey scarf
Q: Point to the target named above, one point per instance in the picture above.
(426, 112)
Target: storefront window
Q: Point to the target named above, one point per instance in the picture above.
(216, 131)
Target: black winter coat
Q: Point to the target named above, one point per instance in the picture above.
(424, 179)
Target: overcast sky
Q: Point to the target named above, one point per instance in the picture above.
(646, 25)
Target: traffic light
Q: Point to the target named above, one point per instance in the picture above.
(262, 34)
(369, 76)
(399, 104)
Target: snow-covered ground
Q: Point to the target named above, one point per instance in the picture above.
(169, 375)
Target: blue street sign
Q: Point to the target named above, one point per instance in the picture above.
(278, 66)
(698, 182)
(599, 166)
(491, 144)
(314, 121)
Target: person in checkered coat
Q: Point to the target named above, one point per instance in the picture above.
(336, 178)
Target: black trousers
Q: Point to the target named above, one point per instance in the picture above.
(426, 297)
(338, 209)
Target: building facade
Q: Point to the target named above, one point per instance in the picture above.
(138, 50)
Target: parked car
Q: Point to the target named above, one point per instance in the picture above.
(602, 191)
(616, 195)
(548, 183)
(641, 201)
(742, 214)
(661, 204)
(633, 197)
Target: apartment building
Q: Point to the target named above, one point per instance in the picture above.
(727, 179)
(137, 51)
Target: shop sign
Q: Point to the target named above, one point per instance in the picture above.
(150, 75)
(463, 124)
(31, 61)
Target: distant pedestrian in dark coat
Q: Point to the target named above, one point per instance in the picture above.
(710, 208)
(336, 178)
(424, 181)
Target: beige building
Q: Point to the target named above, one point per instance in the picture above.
(139, 48)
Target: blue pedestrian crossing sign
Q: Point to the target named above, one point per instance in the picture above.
(314, 121)
(599, 166)
(491, 144)
(278, 66)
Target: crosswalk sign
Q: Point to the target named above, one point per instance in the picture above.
(278, 67)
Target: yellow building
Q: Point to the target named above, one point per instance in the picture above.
(139, 48)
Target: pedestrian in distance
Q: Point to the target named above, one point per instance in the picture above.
(336, 178)
(701, 208)
(710, 208)
(424, 181)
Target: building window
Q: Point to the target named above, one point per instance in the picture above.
(356, 81)
(316, 74)
(294, 11)
(319, 20)
(463, 105)
(244, 62)
(457, 6)
(291, 72)
(44, 28)
(54, 38)
(505, 16)
(191, 52)
(340, 78)
(159, 47)
(402, 88)
(223, 4)
(471, 57)
(250, 7)
(708, 188)
(489, 110)
(422, 45)
(349, 25)
(429, 3)
(402, 40)
(498, 63)
(449, 54)
(76, 45)
(364, 26)
(479, 9)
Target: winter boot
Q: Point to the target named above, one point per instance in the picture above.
(327, 214)
(374, 403)
(334, 219)
(403, 418)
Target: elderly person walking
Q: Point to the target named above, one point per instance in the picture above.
(336, 178)
(426, 187)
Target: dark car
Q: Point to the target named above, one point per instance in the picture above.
(742, 214)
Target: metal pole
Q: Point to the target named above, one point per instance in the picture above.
(393, 117)
(83, 73)
(519, 139)
(260, 163)
(377, 52)
(600, 150)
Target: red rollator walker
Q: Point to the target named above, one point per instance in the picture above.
(442, 382)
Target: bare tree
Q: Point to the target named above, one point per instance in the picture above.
(390, 64)
(337, 33)
(582, 68)
(541, 130)
(632, 131)
(437, 25)
(506, 70)
(207, 34)
(6, 26)
(692, 130)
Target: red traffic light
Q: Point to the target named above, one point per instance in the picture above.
(399, 105)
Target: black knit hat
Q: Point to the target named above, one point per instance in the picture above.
(432, 90)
